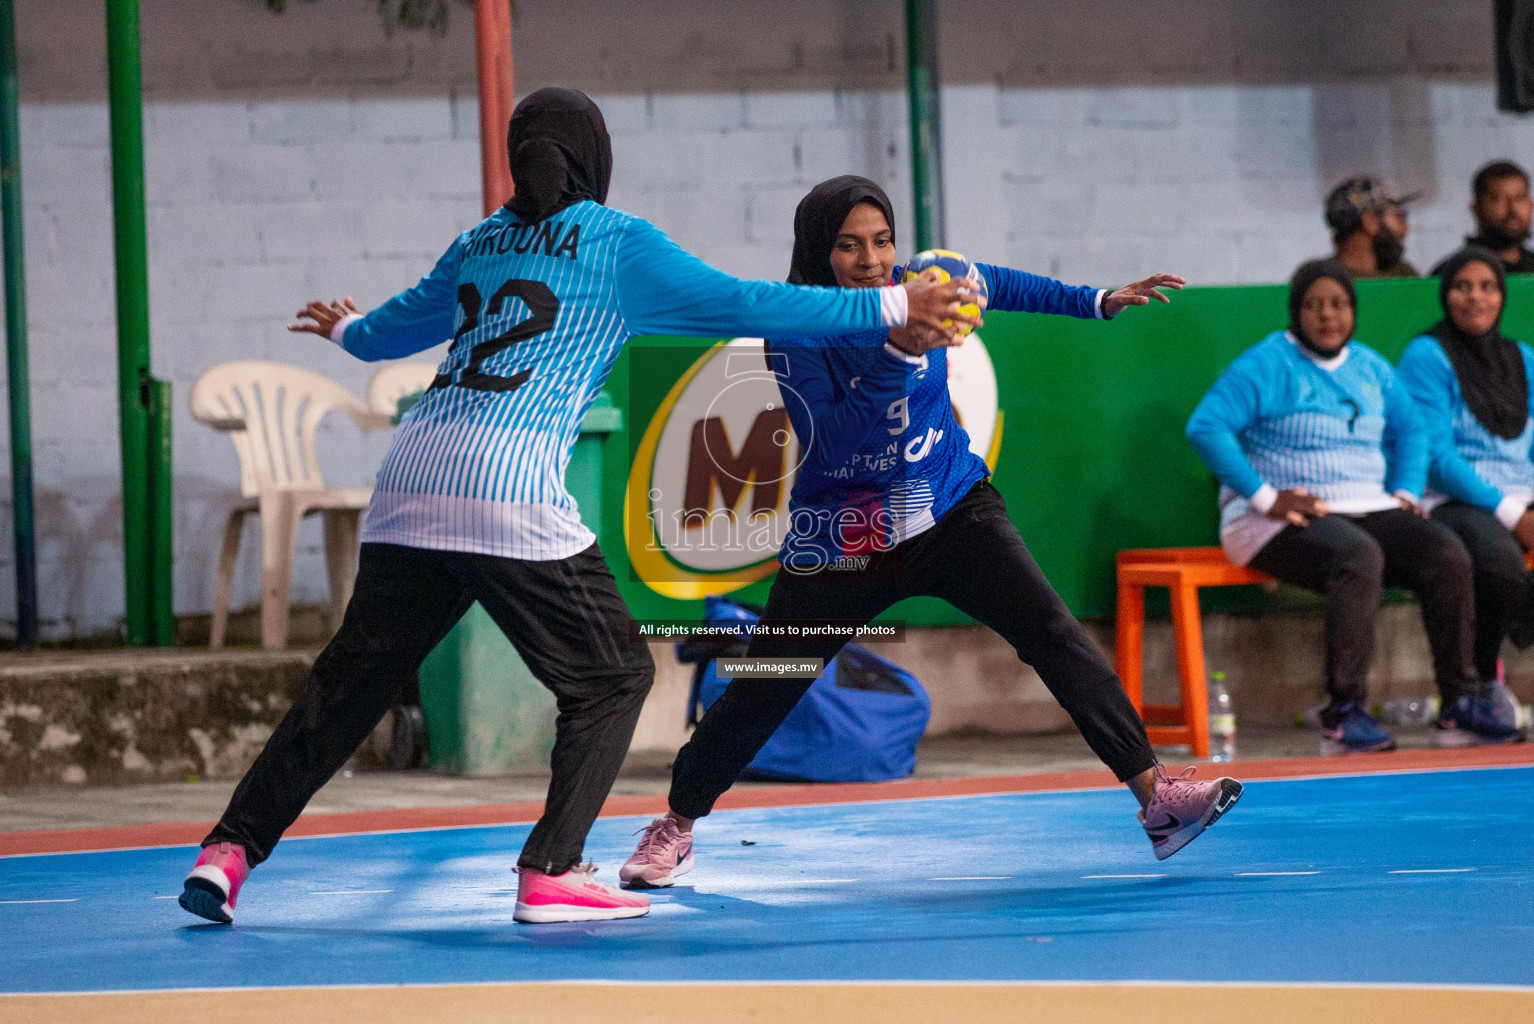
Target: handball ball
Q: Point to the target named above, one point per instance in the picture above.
(949, 265)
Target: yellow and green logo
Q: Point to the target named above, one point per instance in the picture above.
(706, 507)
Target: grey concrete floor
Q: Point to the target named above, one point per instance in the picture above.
(39, 807)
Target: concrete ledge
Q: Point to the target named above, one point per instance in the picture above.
(138, 716)
(1274, 664)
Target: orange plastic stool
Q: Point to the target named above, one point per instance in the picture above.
(1182, 571)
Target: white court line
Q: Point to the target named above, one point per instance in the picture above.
(1272, 874)
(971, 878)
(352, 892)
(1429, 871)
(1123, 876)
(20, 903)
(162, 897)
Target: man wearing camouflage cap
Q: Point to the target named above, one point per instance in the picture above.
(1368, 222)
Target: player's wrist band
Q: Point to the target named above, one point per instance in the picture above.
(338, 332)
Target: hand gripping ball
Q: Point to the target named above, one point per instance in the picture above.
(950, 265)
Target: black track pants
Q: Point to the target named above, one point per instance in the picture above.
(1500, 576)
(1349, 560)
(565, 617)
(975, 560)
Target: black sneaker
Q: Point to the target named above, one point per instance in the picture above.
(1474, 720)
(1356, 732)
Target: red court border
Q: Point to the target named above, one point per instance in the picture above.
(178, 833)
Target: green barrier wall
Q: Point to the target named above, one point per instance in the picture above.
(1093, 457)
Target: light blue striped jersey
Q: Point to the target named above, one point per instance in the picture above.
(1348, 434)
(538, 314)
(1469, 462)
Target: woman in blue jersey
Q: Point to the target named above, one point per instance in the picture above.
(1322, 463)
(890, 503)
(1475, 393)
(470, 503)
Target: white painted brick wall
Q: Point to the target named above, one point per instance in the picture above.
(1223, 184)
(252, 209)
(255, 207)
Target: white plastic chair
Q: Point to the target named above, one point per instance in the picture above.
(271, 412)
(394, 382)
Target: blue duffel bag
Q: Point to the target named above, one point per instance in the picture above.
(859, 722)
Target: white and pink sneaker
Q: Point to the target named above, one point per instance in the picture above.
(1180, 808)
(213, 885)
(575, 895)
(664, 852)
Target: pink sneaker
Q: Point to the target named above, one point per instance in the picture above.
(213, 886)
(664, 852)
(575, 895)
(1181, 808)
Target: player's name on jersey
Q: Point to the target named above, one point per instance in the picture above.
(549, 238)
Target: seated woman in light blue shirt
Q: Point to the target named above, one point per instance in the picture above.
(1473, 388)
(1322, 462)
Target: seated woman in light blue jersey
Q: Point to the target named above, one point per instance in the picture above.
(1475, 393)
(890, 503)
(1322, 463)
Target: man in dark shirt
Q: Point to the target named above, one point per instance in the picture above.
(1502, 210)
(1368, 222)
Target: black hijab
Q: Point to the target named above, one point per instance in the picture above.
(1489, 366)
(819, 219)
(1307, 275)
(560, 153)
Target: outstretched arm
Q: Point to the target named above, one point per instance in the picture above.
(1017, 291)
(1021, 292)
(662, 289)
(412, 321)
(327, 316)
(1140, 293)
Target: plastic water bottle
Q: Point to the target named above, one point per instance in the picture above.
(1222, 720)
(1409, 711)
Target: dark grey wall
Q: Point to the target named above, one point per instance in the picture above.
(234, 49)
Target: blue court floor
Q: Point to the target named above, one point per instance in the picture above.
(1425, 879)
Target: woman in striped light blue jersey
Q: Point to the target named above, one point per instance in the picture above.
(890, 503)
(470, 503)
(1322, 463)
(1475, 392)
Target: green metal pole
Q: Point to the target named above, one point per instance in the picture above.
(921, 74)
(19, 377)
(125, 91)
(160, 536)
